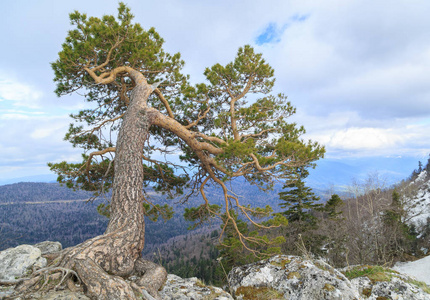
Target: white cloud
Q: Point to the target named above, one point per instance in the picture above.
(48, 131)
(32, 142)
(364, 138)
(361, 56)
(21, 93)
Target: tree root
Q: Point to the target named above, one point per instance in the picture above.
(13, 282)
(43, 280)
(69, 270)
(151, 276)
(100, 285)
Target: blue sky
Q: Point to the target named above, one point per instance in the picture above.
(357, 71)
(273, 32)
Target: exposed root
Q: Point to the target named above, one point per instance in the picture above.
(48, 275)
(83, 274)
(43, 280)
(152, 276)
(13, 282)
(100, 285)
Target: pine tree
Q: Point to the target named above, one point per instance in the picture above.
(332, 206)
(401, 236)
(427, 167)
(299, 200)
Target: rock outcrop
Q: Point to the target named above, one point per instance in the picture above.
(177, 288)
(290, 277)
(384, 283)
(279, 277)
(18, 262)
(49, 247)
(294, 278)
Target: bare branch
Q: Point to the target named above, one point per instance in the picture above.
(92, 154)
(164, 101)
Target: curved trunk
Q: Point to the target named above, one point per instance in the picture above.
(127, 214)
(118, 249)
(100, 261)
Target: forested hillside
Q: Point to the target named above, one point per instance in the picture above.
(35, 212)
(34, 192)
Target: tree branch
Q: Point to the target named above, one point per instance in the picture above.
(164, 101)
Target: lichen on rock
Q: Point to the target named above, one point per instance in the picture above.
(49, 247)
(291, 278)
(177, 288)
(377, 283)
(18, 262)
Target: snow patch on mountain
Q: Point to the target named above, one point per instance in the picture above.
(418, 207)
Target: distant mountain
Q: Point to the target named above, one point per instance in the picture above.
(330, 172)
(34, 178)
(39, 192)
(340, 172)
(34, 212)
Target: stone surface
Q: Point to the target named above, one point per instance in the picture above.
(49, 247)
(396, 286)
(177, 288)
(17, 262)
(280, 277)
(5, 291)
(290, 277)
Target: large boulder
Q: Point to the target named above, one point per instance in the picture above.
(177, 288)
(49, 247)
(290, 277)
(19, 261)
(376, 282)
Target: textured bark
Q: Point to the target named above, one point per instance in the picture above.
(152, 276)
(102, 261)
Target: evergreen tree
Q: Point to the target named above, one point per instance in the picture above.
(332, 206)
(394, 214)
(299, 200)
(427, 167)
(402, 238)
(300, 204)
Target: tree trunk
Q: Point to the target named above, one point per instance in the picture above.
(101, 260)
(127, 214)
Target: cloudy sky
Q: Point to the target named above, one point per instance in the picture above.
(357, 71)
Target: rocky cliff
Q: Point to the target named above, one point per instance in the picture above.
(280, 277)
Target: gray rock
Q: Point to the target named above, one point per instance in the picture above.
(49, 247)
(5, 291)
(290, 277)
(60, 295)
(177, 288)
(17, 262)
(390, 285)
